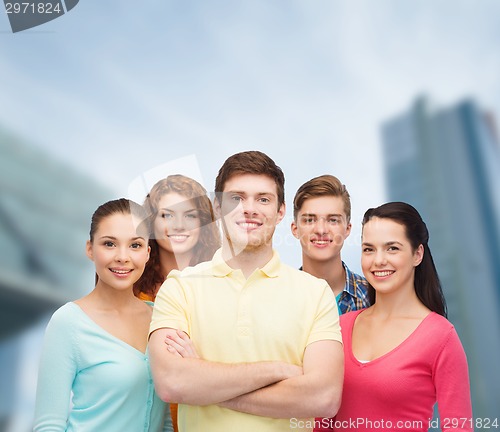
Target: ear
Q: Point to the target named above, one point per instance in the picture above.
(294, 229)
(217, 209)
(88, 250)
(149, 252)
(418, 256)
(348, 230)
(281, 213)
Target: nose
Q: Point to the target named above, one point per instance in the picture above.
(178, 223)
(249, 206)
(122, 254)
(320, 226)
(380, 258)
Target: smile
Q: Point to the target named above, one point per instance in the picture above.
(249, 225)
(321, 242)
(120, 272)
(383, 273)
(178, 237)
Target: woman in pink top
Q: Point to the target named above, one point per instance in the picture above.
(401, 355)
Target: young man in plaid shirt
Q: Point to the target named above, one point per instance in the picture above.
(322, 222)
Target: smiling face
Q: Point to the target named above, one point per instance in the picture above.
(388, 259)
(250, 212)
(321, 227)
(177, 224)
(119, 251)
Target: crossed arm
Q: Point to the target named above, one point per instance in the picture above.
(270, 389)
(193, 381)
(315, 393)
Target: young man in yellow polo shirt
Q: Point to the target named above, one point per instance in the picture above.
(264, 351)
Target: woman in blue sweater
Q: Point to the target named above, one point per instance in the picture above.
(94, 352)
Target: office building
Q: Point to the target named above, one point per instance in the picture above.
(45, 211)
(445, 162)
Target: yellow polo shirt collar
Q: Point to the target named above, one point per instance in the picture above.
(221, 269)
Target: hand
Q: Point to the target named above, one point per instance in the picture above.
(181, 346)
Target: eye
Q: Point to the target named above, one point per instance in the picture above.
(334, 220)
(393, 248)
(264, 200)
(108, 243)
(236, 198)
(136, 245)
(166, 215)
(308, 220)
(193, 215)
(367, 250)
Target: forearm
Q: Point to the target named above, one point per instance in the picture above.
(296, 397)
(199, 382)
(316, 393)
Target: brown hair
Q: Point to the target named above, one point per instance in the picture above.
(250, 162)
(122, 206)
(209, 240)
(325, 185)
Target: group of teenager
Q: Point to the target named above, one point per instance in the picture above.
(196, 325)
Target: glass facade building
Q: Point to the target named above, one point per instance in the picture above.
(45, 211)
(445, 162)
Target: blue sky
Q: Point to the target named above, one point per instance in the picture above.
(116, 88)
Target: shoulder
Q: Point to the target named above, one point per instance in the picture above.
(304, 286)
(300, 280)
(300, 275)
(438, 323)
(202, 269)
(439, 333)
(348, 318)
(65, 315)
(64, 329)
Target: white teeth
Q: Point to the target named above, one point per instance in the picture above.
(383, 273)
(321, 242)
(249, 225)
(120, 271)
(178, 237)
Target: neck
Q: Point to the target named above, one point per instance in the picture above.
(170, 261)
(110, 298)
(403, 302)
(248, 260)
(330, 270)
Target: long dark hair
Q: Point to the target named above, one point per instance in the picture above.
(427, 284)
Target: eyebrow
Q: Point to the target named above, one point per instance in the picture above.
(390, 243)
(246, 194)
(114, 238)
(173, 211)
(315, 214)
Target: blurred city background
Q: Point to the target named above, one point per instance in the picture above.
(399, 100)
